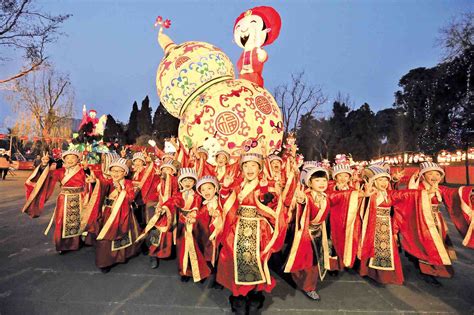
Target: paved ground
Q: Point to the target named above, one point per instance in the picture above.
(34, 279)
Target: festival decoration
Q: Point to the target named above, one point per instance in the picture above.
(196, 83)
(254, 28)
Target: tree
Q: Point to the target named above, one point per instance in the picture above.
(164, 125)
(338, 125)
(144, 118)
(132, 129)
(458, 36)
(297, 99)
(363, 141)
(24, 27)
(44, 103)
(113, 130)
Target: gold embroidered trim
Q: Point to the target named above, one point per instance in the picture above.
(123, 242)
(383, 249)
(247, 265)
(72, 214)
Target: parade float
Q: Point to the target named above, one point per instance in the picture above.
(196, 83)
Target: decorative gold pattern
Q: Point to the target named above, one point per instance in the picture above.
(383, 250)
(155, 237)
(247, 264)
(71, 212)
(123, 242)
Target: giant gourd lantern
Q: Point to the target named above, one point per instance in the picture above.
(196, 83)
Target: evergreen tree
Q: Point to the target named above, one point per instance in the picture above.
(112, 130)
(144, 118)
(132, 130)
(164, 125)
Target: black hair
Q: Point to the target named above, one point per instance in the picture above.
(318, 174)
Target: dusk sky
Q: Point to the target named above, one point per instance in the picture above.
(360, 48)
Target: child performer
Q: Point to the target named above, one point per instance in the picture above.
(311, 252)
(69, 204)
(208, 188)
(382, 219)
(425, 236)
(162, 225)
(193, 227)
(250, 230)
(114, 222)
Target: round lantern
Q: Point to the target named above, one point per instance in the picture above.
(238, 113)
(187, 70)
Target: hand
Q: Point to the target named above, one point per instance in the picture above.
(90, 178)
(228, 180)
(123, 152)
(152, 143)
(45, 159)
(300, 196)
(433, 189)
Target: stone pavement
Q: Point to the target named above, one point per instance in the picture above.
(34, 279)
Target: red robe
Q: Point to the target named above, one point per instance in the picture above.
(310, 255)
(192, 239)
(115, 224)
(378, 249)
(248, 239)
(69, 203)
(424, 232)
(250, 59)
(162, 236)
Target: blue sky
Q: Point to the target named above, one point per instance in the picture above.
(360, 48)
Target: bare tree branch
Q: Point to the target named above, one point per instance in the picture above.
(23, 27)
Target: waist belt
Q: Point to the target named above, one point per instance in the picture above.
(71, 190)
(383, 211)
(247, 212)
(435, 208)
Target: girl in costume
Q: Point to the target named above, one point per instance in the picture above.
(69, 203)
(251, 227)
(112, 219)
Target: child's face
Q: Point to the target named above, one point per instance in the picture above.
(343, 178)
(188, 183)
(275, 165)
(319, 184)
(117, 173)
(70, 160)
(433, 177)
(382, 183)
(221, 159)
(137, 163)
(208, 190)
(251, 169)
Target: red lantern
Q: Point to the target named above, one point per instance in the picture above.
(2, 136)
(24, 138)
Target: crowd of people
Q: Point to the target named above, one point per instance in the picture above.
(225, 220)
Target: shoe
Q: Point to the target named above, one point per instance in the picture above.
(255, 301)
(185, 278)
(238, 304)
(105, 270)
(153, 262)
(431, 280)
(216, 285)
(333, 273)
(313, 295)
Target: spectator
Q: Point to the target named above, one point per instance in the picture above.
(4, 165)
(37, 161)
